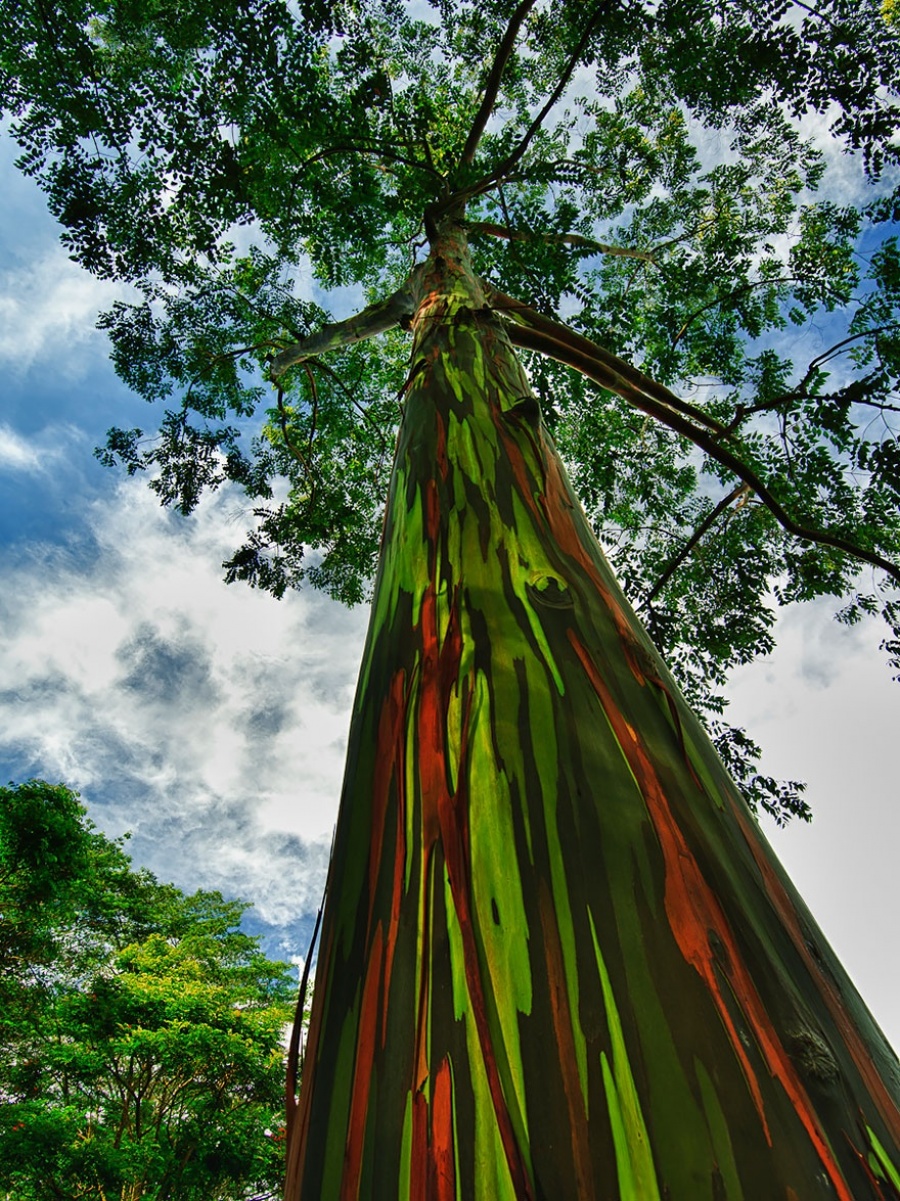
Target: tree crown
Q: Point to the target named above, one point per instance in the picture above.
(666, 177)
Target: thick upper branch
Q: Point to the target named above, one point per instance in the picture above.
(536, 332)
(376, 319)
(492, 86)
(632, 382)
(576, 241)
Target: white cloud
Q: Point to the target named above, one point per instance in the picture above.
(16, 454)
(209, 720)
(40, 452)
(48, 311)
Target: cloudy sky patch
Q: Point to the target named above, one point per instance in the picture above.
(190, 712)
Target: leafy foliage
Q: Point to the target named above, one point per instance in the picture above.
(141, 1030)
(644, 170)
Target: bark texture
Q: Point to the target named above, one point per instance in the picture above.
(559, 960)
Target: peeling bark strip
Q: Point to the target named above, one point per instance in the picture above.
(559, 960)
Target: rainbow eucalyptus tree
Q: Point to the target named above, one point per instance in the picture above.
(558, 958)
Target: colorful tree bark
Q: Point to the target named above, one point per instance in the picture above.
(559, 960)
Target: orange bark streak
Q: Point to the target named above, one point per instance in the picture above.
(442, 1178)
(693, 911)
(777, 893)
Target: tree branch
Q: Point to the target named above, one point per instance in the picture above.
(378, 151)
(557, 342)
(376, 319)
(293, 1056)
(489, 229)
(511, 159)
(680, 555)
(360, 408)
(503, 171)
(631, 380)
(492, 85)
(838, 347)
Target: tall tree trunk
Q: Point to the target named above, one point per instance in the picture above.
(559, 960)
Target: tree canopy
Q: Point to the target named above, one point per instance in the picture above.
(668, 178)
(141, 1031)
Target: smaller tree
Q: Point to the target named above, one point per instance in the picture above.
(141, 1040)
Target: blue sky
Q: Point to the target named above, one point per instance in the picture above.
(211, 721)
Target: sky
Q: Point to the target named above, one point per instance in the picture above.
(210, 721)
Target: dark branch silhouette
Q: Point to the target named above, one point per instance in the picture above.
(557, 342)
(492, 85)
(682, 553)
(576, 241)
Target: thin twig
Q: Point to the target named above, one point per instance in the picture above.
(292, 449)
(377, 151)
(839, 346)
(574, 240)
(361, 409)
(719, 300)
(680, 555)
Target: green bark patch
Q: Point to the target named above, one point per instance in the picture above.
(534, 830)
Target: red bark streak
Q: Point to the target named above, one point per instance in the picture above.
(398, 762)
(456, 845)
(430, 740)
(418, 1168)
(442, 1177)
(394, 924)
(388, 766)
(864, 1165)
(452, 815)
(424, 967)
(887, 1106)
(693, 911)
(362, 1072)
(568, 1059)
(444, 816)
